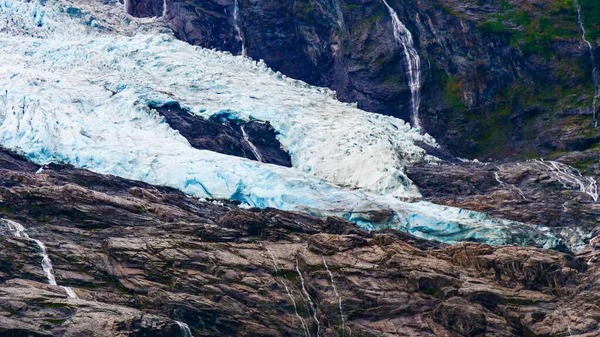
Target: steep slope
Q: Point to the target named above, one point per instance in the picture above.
(87, 96)
(143, 260)
(499, 77)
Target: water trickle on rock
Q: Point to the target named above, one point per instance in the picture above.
(184, 329)
(251, 145)
(236, 26)
(570, 178)
(287, 290)
(404, 38)
(337, 295)
(313, 305)
(592, 59)
(18, 231)
(164, 11)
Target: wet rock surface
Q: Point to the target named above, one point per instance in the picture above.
(499, 78)
(141, 257)
(531, 191)
(228, 137)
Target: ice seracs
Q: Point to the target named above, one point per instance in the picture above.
(78, 94)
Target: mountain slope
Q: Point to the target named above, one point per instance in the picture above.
(500, 78)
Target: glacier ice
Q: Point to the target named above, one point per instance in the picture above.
(333, 141)
(76, 86)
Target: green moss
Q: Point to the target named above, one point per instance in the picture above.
(590, 10)
(493, 27)
(56, 321)
(7, 210)
(288, 275)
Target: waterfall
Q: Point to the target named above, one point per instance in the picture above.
(127, 6)
(236, 26)
(570, 178)
(184, 329)
(404, 38)
(339, 298)
(509, 186)
(253, 148)
(308, 299)
(340, 17)
(18, 231)
(164, 12)
(287, 290)
(592, 58)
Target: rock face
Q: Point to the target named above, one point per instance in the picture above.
(546, 193)
(254, 140)
(140, 258)
(500, 77)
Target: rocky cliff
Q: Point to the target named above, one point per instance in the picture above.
(500, 78)
(145, 260)
(93, 98)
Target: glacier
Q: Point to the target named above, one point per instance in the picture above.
(78, 82)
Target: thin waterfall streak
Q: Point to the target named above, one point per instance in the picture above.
(253, 148)
(312, 305)
(184, 329)
(592, 58)
(236, 26)
(570, 178)
(339, 298)
(287, 290)
(18, 231)
(404, 38)
(289, 293)
(510, 186)
(164, 12)
(127, 6)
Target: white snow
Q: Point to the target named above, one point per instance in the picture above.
(331, 140)
(76, 90)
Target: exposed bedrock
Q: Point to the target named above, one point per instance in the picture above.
(546, 193)
(142, 257)
(254, 140)
(499, 78)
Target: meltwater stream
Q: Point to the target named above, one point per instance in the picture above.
(236, 26)
(164, 11)
(18, 231)
(251, 145)
(184, 329)
(404, 37)
(570, 178)
(275, 263)
(592, 59)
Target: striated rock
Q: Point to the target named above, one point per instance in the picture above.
(142, 257)
(533, 192)
(227, 137)
(500, 78)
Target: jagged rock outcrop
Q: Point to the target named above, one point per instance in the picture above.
(254, 140)
(500, 77)
(549, 194)
(140, 257)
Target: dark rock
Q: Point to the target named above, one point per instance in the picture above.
(498, 80)
(140, 256)
(225, 136)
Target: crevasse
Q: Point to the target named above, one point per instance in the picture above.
(77, 89)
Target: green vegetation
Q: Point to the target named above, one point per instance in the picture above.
(590, 10)
(539, 33)
(533, 30)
